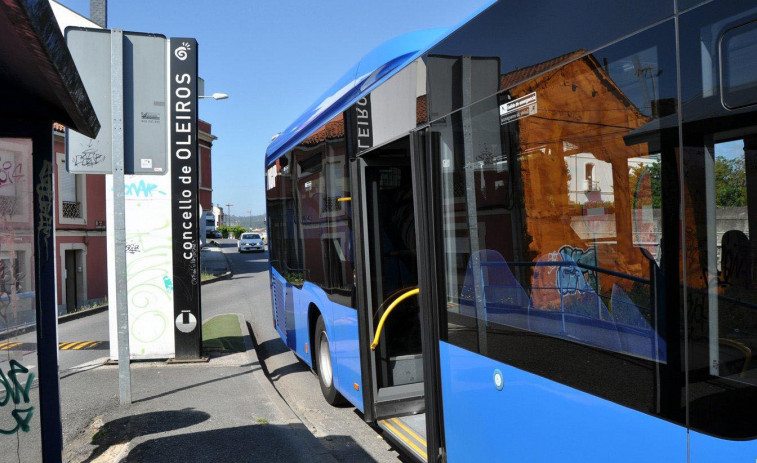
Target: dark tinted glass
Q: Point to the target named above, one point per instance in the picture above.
(553, 194)
(532, 35)
(738, 49)
(686, 4)
(281, 226)
(720, 210)
(323, 210)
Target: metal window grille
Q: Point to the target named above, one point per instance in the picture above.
(72, 209)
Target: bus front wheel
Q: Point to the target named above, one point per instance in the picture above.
(323, 364)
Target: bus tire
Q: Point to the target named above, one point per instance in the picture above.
(323, 366)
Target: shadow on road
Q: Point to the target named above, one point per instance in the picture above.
(221, 378)
(261, 442)
(125, 429)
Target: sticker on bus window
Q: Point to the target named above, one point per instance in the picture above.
(517, 108)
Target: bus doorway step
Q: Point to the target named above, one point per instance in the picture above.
(408, 433)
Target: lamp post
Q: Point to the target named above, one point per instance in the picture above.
(228, 209)
(215, 96)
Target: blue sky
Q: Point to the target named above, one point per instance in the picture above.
(273, 59)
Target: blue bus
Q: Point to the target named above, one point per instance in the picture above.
(528, 237)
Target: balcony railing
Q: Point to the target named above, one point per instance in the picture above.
(71, 209)
(591, 185)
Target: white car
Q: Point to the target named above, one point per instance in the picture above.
(250, 242)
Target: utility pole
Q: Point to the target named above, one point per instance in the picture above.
(228, 210)
(249, 213)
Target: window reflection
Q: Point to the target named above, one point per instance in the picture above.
(552, 220)
(566, 212)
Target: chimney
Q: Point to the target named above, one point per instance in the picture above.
(98, 12)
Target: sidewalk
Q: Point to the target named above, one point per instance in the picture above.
(219, 411)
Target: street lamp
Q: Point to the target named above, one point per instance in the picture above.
(215, 96)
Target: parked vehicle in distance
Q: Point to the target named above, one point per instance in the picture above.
(250, 242)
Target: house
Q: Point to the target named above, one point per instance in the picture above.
(80, 245)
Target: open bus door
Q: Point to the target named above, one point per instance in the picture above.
(389, 312)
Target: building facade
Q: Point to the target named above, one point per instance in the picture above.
(80, 250)
(206, 139)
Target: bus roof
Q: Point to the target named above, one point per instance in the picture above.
(374, 68)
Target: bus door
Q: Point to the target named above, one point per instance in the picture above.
(389, 316)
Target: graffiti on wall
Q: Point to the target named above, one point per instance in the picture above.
(10, 286)
(45, 198)
(10, 172)
(16, 384)
(143, 189)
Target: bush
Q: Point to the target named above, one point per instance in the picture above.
(231, 231)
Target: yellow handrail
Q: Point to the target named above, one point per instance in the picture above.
(389, 309)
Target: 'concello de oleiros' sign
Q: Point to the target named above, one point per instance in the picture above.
(184, 191)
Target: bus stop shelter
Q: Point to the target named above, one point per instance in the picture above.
(39, 85)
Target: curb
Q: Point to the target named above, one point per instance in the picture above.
(320, 453)
(226, 276)
(81, 314)
(61, 319)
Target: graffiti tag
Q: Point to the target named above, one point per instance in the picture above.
(132, 247)
(10, 173)
(88, 158)
(142, 188)
(45, 198)
(571, 279)
(19, 394)
(168, 284)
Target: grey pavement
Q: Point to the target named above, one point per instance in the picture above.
(224, 410)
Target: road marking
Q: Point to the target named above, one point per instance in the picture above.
(79, 345)
(83, 345)
(9, 345)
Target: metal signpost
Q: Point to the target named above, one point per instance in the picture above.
(119, 212)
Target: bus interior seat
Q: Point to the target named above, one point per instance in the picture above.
(637, 336)
(581, 315)
(735, 259)
(505, 301)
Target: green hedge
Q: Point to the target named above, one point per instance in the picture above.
(234, 231)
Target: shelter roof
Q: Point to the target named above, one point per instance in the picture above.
(38, 78)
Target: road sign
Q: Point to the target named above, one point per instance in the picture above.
(144, 90)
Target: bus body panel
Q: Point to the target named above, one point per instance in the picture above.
(279, 290)
(341, 328)
(346, 346)
(706, 448)
(483, 423)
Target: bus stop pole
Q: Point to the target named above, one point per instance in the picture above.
(119, 213)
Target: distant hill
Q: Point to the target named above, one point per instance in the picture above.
(255, 221)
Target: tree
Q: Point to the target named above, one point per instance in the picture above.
(646, 186)
(730, 182)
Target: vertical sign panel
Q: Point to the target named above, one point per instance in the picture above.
(360, 124)
(184, 190)
(90, 49)
(145, 103)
